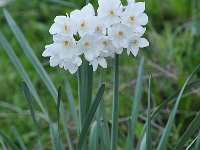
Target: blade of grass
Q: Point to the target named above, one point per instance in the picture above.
(27, 95)
(30, 54)
(136, 101)
(38, 67)
(189, 87)
(148, 136)
(128, 140)
(18, 137)
(165, 136)
(2, 144)
(93, 137)
(191, 144)
(58, 147)
(89, 116)
(197, 144)
(114, 132)
(189, 132)
(103, 129)
(20, 69)
(72, 105)
(16, 62)
(8, 141)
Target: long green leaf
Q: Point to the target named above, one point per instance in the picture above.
(2, 144)
(72, 105)
(18, 137)
(114, 132)
(16, 62)
(197, 144)
(137, 99)
(30, 54)
(189, 132)
(128, 140)
(188, 88)
(190, 146)
(8, 141)
(89, 116)
(27, 95)
(165, 136)
(38, 67)
(93, 137)
(58, 147)
(148, 131)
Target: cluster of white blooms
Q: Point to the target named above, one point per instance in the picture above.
(82, 34)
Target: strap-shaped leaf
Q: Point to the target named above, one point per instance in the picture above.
(89, 116)
(148, 131)
(165, 136)
(137, 97)
(18, 137)
(189, 132)
(8, 141)
(72, 105)
(27, 95)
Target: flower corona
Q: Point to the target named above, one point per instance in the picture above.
(84, 35)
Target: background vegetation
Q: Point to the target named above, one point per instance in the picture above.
(173, 32)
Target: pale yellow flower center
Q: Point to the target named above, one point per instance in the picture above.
(87, 44)
(105, 43)
(66, 28)
(66, 43)
(135, 41)
(111, 12)
(120, 33)
(83, 24)
(132, 18)
(98, 29)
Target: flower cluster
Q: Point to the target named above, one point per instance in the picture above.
(96, 37)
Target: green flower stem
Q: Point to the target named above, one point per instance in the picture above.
(114, 133)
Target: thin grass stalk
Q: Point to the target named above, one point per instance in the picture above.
(114, 132)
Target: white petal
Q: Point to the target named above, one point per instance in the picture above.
(76, 15)
(102, 62)
(60, 19)
(94, 64)
(54, 61)
(88, 10)
(134, 50)
(55, 28)
(72, 68)
(143, 43)
(47, 53)
(124, 43)
(142, 19)
(139, 8)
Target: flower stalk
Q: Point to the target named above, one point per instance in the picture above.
(114, 132)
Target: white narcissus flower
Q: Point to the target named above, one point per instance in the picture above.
(90, 46)
(134, 15)
(109, 11)
(135, 44)
(71, 64)
(51, 52)
(98, 25)
(120, 35)
(63, 25)
(83, 19)
(65, 46)
(100, 60)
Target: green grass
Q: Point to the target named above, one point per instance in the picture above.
(172, 56)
